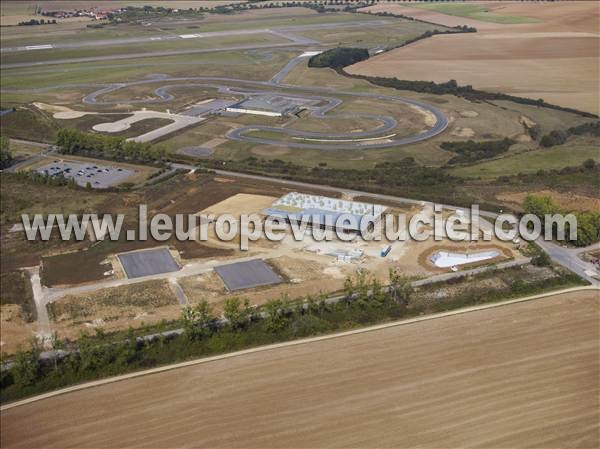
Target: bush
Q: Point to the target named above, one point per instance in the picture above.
(451, 87)
(71, 141)
(339, 57)
(6, 157)
(558, 137)
(471, 151)
(588, 223)
(542, 259)
(554, 138)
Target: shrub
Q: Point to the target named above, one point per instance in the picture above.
(471, 151)
(339, 57)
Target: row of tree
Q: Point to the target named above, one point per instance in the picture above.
(558, 137)
(453, 88)
(37, 22)
(588, 223)
(204, 332)
(339, 57)
(72, 141)
(6, 156)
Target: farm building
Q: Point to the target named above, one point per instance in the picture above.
(324, 212)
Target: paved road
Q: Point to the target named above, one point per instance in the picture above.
(569, 258)
(154, 54)
(279, 76)
(162, 38)
(284, 32)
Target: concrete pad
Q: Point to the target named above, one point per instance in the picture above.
(148, 262)
(179, 122)
(242, 275)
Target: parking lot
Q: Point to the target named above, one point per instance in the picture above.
(99, 176)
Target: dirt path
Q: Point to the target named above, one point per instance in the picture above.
(39, 297)
(513, 376)
(179, 293)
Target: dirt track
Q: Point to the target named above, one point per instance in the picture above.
(516, 376)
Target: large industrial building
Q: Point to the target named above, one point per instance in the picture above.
(325, 211)
(270, 105)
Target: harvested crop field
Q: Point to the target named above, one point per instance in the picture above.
(521, 375)
(555, 58)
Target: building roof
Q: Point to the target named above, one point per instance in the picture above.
(272, 103)
(296, 206)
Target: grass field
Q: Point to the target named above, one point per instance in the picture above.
(29, 124)
(570, 154)
(15, 288)
(492, 389)
(251, 20)
(139, 49)
(257, 64)
(386, 36)
(131, 305)
(474, 11)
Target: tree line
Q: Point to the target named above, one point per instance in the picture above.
(339, 57)
(431, 183)
(6, 156)
(453, 88)
(72, 141)
(204, 333)
(588, 223)
(560, 136)
(37, 22)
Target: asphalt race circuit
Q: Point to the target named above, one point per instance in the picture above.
(345, 140)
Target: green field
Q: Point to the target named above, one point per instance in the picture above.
(210, 24)
(141, 48)
(476, 12)
(249, 64)
(386, 36)
(568, 155)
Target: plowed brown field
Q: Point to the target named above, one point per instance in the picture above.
(556, 59)
(522, 375)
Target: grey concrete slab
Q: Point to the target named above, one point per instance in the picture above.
(212, 106)
(148, 262)
(242, 275)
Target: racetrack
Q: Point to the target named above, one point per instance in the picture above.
(387, 123)
(520, 375)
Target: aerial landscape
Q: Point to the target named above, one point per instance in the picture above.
(310, 223)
